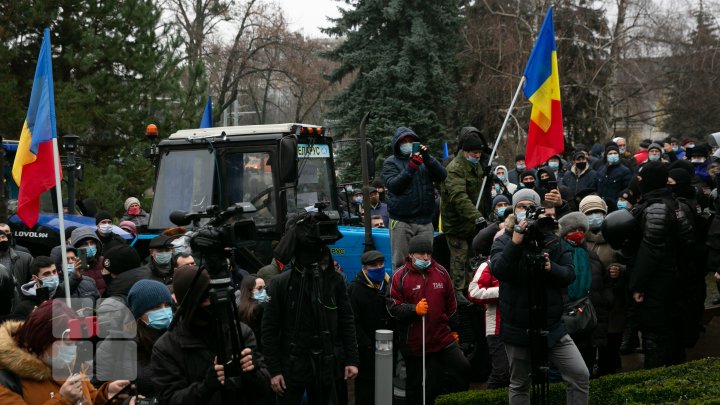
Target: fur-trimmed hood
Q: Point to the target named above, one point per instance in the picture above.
(19, 361)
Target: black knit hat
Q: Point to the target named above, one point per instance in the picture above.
(372, 256)
(628, 195)
(120, 259)
(101, 216)
(699, 150)
(472, 143)
(519, 156)
(682, 178)
(420, 244)
(610, 147)
(146, 294)
(653, 176)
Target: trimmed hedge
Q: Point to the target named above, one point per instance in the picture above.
(695, 382)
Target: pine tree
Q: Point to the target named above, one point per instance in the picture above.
(401, 57)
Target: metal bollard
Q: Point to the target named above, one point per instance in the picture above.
(383, 367)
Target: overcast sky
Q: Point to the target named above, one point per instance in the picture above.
(308, 15)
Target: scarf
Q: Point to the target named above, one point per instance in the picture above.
(583, 279)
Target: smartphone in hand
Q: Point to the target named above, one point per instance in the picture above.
(415, 147)
(82, 255)
(553, 184)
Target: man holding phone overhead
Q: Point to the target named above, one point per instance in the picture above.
(409, 179)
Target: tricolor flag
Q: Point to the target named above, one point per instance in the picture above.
(33, 169)
(207, 121)
(542, 88)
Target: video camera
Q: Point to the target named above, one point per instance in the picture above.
(537, 222)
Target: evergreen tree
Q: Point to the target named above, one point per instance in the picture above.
(400, 55)
(692, 107)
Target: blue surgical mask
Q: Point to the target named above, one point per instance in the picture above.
(406, 149)
(260, 296)
(613, 159)
(595, 220)
(91, 251)
(674, 148)
(622, 205)
(502, 178)
(421, 264)
(51, 282)
(621, 150)
(70, 267)
(500, 211)
(160, 319)
(497, 188)
(64, 358)
(520, 216)
(163, 258)
(376, 275)
(358, 200)
(473, 160)
(653, 158)
(520, 167)
(554, 165)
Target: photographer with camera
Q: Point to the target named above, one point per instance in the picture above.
(459, 192)
(308, 328)
(185, 361)
(534, 268)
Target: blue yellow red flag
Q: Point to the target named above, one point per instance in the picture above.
(542, 88)
(33, 169)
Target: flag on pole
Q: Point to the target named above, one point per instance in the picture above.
(446, 153)
(207, 121)
(33, 169)
(542, 88)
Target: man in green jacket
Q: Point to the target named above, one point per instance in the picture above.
(459, 194)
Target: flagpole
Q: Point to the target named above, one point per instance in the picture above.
(497, 141)
(61, 220)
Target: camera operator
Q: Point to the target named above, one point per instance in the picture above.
(308, 329)
(511, 262)
(185, 359)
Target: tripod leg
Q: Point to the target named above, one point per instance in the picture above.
(424, 370)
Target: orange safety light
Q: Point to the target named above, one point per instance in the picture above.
(151, 131)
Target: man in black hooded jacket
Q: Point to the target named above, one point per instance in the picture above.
(308, 329)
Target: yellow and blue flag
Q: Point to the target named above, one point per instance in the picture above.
(542, 88)
(33, 169)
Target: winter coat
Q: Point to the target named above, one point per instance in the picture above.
(140, 220)
(410, 192)
(83, 287)
(282, 337)
(8, 291)
(111, 241)
(370, 312)
(509, 264)
(608, 256)
(183, 357)
(612, 179)
(20, 265)
(409, 285)
(95, 264)
(459, 193)
(484, 289)
(579, 182)
(36, 381)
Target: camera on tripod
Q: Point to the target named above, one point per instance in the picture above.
(537, 221)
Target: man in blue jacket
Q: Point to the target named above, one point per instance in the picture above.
(409, 179)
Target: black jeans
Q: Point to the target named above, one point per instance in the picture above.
(447, 371)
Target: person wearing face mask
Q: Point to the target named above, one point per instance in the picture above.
(698, 157)
(135, 214)
(125, 354)
(81, 286)
(42, 287)
(5, 228)
(367, 294)
(85, 238)
(104, 231)
(459, 193)
(615, 277)
(514, 175)
(501, 173)
(528, 180)
(409, 180)
(613, 176)
(483, 240)
(580, 176)
(253, 299)
(510, 264)
(654, 153)
(36, 359)
(184, 360)
(591, 279)
(14, 260)
(159, 263)
(626, 157)
(423, 288)
(555, 163)
(626, 200)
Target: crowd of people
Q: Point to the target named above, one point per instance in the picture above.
(160, 329)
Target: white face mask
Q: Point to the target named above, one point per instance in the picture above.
(105, 229)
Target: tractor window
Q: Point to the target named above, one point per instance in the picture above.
(314, 183)
(248, 178)
(184, 182)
